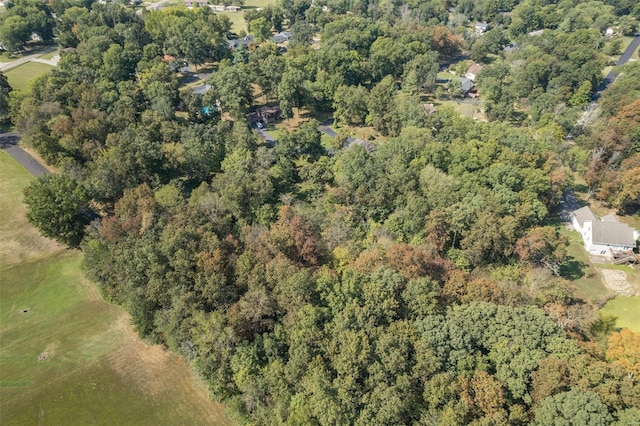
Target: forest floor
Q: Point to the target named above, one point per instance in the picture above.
(66, 355)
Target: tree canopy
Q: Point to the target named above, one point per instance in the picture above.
(411, 279)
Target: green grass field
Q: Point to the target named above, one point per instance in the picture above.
(49, 55)
(583, 274)
(66, 355)
(627, 309)
(20, 76)
(237, 18)
(7, 57)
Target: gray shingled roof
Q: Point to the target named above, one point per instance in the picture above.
(585, 215)
(613, 233)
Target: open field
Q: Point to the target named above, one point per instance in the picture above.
(627, 310)
(237, 18)
(20, 76)
(66, 355)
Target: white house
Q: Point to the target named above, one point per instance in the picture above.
(603, 237)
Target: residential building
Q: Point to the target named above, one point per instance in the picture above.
(473, 72)
(607, 237)
(193, 3)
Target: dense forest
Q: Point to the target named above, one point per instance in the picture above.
(413, 280)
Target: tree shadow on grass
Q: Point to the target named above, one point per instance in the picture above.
(572, 269)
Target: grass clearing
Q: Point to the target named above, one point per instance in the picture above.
(582, 272)
(49, 55)
(626, 309)
(466, 107)
(7, 57)
(20, 76)
(237, 20)
(66, 355)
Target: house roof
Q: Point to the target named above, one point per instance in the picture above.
(613, 233)
(608, 231)
(584, 215)
(482, 25)
(474, 69)
(465, 84)
(610, 218)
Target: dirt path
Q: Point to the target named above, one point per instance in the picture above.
(617, 281)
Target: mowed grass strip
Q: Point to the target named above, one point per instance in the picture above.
(66, 355)
(626, 309)
(20, 76)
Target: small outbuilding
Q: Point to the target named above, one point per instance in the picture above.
(482, 27)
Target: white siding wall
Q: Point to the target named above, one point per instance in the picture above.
(586, 235)
(595, 249)
(599, 249)
(576, 225)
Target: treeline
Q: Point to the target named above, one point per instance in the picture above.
(413, 283)
(607, 151)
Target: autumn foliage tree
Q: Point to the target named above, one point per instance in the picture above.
(623, 349)
(543, 246)
(57, 206)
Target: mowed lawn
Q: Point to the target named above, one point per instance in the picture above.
(237, 18)
(626, 309)
(20, 76)
(67, 356)
(585, 277)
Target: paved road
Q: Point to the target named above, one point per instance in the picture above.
(624, 58)
(325, 127)
(270, 140)
(6, 66)
(202, 89)
(9, 142)
(154, 6)
(46, 61)
(568, 204)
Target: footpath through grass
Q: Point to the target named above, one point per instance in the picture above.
(66, 355)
